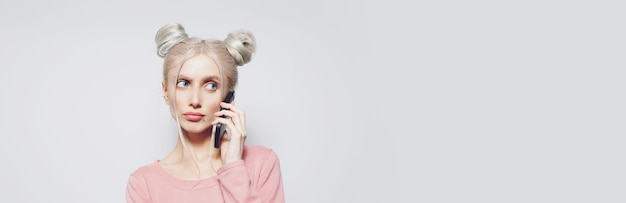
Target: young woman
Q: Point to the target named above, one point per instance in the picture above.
(197, 75)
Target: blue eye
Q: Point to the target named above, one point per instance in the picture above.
(211, 86)
(182, 83)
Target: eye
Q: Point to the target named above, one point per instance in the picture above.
(211, 86)
(182, 83)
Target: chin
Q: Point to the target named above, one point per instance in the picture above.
(196, 128)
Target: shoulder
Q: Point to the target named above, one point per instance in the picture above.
(144, 170)
(258, 153)
(138, 186)
(258, 150)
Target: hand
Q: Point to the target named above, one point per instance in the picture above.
(233, 140)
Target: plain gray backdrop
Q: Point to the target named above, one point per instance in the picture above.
(363, 101)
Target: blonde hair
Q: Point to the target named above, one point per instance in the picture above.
(176, 47)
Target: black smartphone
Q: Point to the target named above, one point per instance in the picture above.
(219, 129)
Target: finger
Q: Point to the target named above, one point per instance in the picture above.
(237, 116)
(226, 113)
(213, 129)
(233, 108)
(233, 130)
(233, 116)
(227, 105)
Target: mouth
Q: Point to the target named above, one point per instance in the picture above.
(193, 116)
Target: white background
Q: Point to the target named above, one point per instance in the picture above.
(362, 101)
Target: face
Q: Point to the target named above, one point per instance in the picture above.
(196, 94)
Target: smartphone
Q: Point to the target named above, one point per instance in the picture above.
(219, 129)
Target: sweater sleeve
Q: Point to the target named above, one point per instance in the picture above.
(237, 185)
(137, 190)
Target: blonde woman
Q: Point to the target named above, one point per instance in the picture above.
(197, 76)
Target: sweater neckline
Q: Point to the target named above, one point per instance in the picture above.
(182, 183)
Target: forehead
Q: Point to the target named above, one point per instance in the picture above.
(198, 67)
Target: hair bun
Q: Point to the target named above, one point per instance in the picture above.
(168, 36)
(241, 45)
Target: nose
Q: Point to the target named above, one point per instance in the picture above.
(195, 99)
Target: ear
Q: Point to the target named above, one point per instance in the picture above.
(164, 85)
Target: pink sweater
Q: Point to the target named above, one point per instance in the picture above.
(256, 178)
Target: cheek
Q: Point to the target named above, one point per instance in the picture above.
(178, 97)
(212, 102)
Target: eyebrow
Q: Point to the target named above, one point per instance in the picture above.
(209, 78)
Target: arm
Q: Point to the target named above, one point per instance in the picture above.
(237, 186)
(137, 190)
(235, 182)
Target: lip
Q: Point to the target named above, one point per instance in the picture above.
(193, 116)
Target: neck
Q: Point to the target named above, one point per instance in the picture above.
(198, 144)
